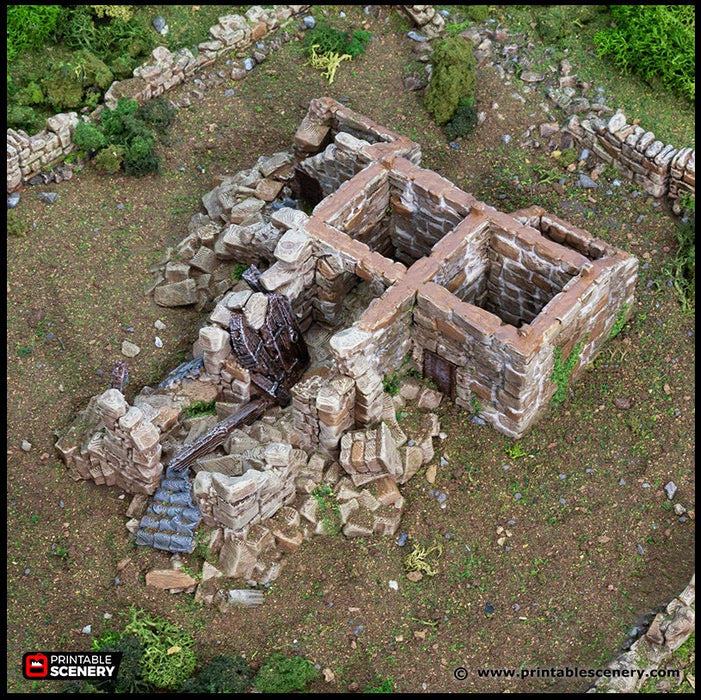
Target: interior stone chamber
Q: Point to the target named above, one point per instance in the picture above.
(473, 298)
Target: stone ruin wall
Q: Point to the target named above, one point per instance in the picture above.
(660, 170)
(28, 156)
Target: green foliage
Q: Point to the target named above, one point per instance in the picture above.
(562, 371)
(223, 674)
(681, 269)
(381, 686)
(156, 114)
(168, 658)
(30, 94)
(16, 225)
(418, 560)
(200, 408)
(328, 508)
(238, 270)
(557, 21)
(89, 137)
(472, 13)
(515, 451)
(29, 27)
(464, 120)
(282, 675)
(110, 158)
(24, 118)
(129, 678)
(390, 383)
(63, 87)
(657, 42)
(452, 79)
(329, 40)
(619, 322)
(123, 12)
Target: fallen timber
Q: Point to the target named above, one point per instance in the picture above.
(275, 355)
(217, 435)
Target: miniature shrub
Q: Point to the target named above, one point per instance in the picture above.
(16, 226)
(452, 79)
(128, 678)
(63, 87)
(657, 42)
(200, 408)
(156, 114)
(30, 94)
(329, 40)
(123, 12)
(282, 675)
(29, 27)
(168, 658)
(110, 159)
(89, 137)
(140, 159)
(223, 674)
(562, 369)
(464, 120)
(556, 22)
(24, 118)
(328, 508)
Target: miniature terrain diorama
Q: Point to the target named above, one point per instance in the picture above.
(280, 426)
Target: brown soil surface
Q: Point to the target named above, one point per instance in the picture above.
(595, 546)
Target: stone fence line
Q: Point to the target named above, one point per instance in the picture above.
(29, 156)
(661, 170)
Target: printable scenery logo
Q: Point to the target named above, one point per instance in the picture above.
(57, 665)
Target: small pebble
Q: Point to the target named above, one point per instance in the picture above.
(622, 482)
(26, 446)
(309, 22)
(158, 342)
(394, 585)
(670, 489)
(518, 496)
(401, 540)
(159, 325)
(640, 549)
(87, 629)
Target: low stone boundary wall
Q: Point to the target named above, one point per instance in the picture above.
(660, 170)
(28, 156)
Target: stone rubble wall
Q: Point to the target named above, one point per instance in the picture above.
(28, 156)
(668, 631)
(660, 170)
(116, 444)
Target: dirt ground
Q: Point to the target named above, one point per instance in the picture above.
(595, 546)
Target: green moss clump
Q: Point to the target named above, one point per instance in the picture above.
(464, 120)
(16, 226)
(282, 675)
(110, 158)
(223, 674)
(452, 79)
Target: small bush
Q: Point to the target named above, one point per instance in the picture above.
(128, 678)
(223, 674)
(156, 114)
(655, 42)
(16, 226)
(282, 675)
(201, 408)
(89, 137)
(29, 27)
(123, 12)
(139, 159)
(25, 118)
(329, 40)
(381, 686)
(168, 658)
(556, 22)
(452, 79)
(464, 120)
(63, 87)
(30, 94)
(110, 159)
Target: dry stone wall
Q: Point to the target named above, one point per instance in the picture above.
(28, 156)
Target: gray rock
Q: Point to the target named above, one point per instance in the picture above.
(26, 446)
(130, 349)
(416, 36)
(670, 489)
(13, 200)
(48, 197)
(586, 182)
(506, 138)
(249, 64)
(181, 293)
(309, 22)
(159, 24)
